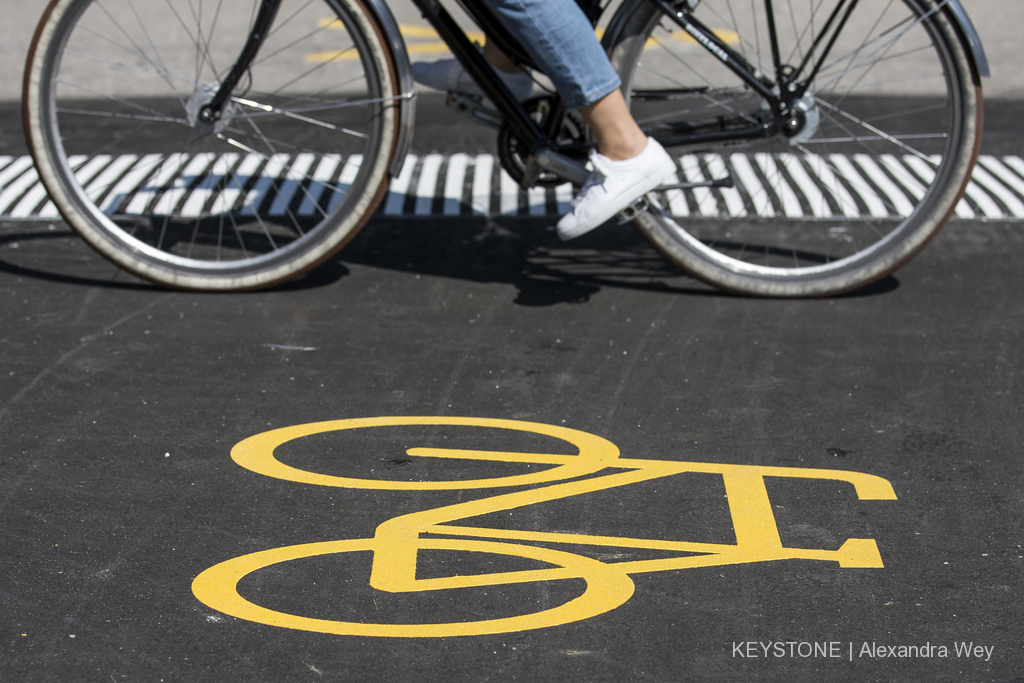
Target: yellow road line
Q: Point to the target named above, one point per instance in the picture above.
(433, 45)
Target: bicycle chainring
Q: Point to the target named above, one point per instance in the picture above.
(513, 155)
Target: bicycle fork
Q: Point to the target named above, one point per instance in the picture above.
(209, 113)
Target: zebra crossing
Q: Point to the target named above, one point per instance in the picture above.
(794, 186)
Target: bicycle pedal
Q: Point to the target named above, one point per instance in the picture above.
(632, 211)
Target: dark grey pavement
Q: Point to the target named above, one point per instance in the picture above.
(120, 404)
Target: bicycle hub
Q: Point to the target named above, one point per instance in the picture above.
(202, 116)
(800, 122)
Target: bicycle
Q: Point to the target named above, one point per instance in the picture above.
(200, 155)
(399, 545)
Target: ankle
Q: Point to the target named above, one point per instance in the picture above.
(623, 149)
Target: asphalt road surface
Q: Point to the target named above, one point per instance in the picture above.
(466, 451)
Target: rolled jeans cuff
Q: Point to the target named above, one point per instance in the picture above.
(582, 99)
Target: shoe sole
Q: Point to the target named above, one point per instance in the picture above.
(637, 191)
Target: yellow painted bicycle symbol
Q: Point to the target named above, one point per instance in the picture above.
(597, 467)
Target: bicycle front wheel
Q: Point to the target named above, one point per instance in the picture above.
(875, 163)
(293, 168)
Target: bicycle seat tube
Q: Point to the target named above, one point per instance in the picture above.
(496, 32)
(483, 73)
(506, 42)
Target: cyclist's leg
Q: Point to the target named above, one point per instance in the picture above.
(450, 76)
(560, 39)
(617, 133)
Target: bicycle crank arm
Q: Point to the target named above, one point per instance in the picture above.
(546, 159)
(718, 182)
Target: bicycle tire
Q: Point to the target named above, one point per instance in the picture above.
(291, 172)
(899, 109)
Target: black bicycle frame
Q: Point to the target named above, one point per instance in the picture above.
(788, 86)
(211, 112)
(512, 111)
(780, 93)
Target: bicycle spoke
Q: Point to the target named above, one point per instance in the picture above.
(126, 65)
(117, 115)
(279, 174)
(336, 57)
(194, 38)
(907, 112)
(802, 34)
(271, 110)
(283, 23)
(203, 54)
(159, 69)
(883, 46)
(270, 55)
(149, 39)
(830, 194)
(709, 83)
(154, 115)
(882, 134)
(882, 60)
(863, 220)
(798, 35)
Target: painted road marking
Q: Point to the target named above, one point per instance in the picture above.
(747, 178)
(455, 184)
(795, 186)
(397, 543)
(393, 203)
(424, 40)
(897, 199)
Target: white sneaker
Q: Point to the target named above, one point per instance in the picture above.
(614, 185)
(449, 75)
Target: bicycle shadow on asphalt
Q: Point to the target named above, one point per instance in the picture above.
(57, 254)
(522, 252)
(526, 253)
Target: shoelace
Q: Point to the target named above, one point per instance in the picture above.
(596, 178)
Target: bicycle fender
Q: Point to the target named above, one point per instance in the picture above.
(406, 105)
(970, 35)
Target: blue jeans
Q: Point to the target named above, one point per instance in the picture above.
(558, 37)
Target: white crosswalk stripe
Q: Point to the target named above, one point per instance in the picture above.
(795, 186)
(395, 200)
(455, 184)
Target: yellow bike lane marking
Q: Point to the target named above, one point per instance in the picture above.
(397, 542)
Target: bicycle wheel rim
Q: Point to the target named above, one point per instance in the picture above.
(290, 173)
(874, 181)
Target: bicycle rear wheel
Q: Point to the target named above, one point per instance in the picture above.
(890, 132)
(295, 166)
